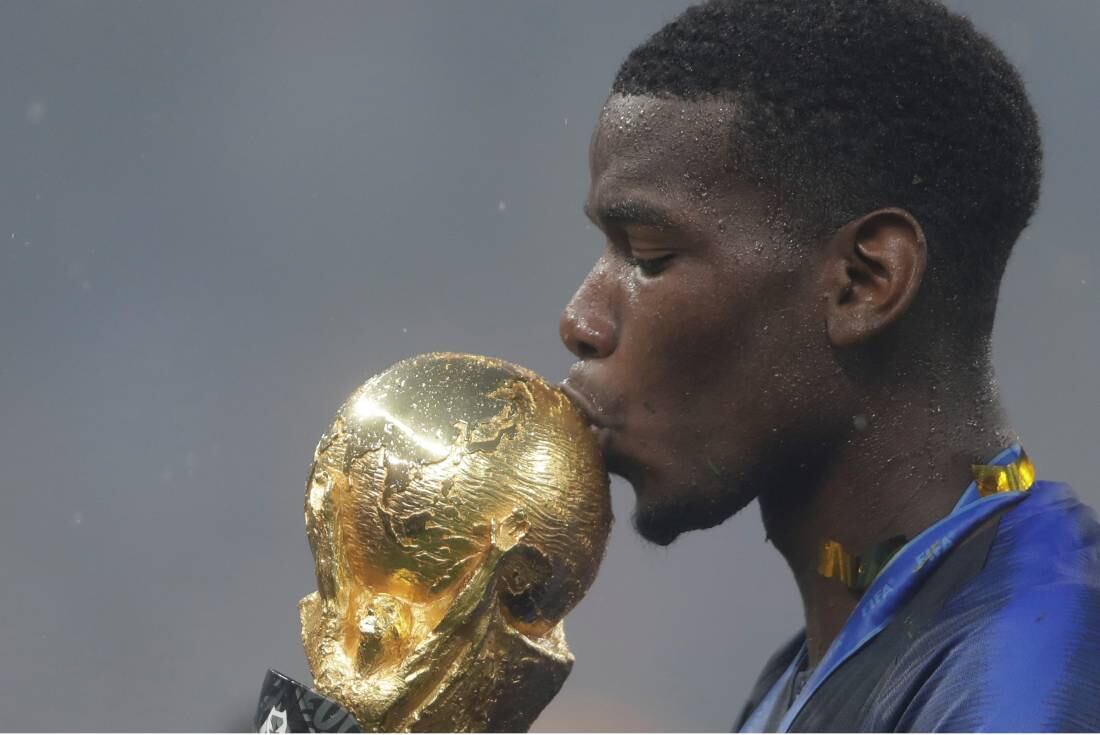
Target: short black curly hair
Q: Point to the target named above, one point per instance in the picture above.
(847, 106)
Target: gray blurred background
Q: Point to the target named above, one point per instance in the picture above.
(219, 218)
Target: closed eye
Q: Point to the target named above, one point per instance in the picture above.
(649, 267)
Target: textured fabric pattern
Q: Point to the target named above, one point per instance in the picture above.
(1003, 636)
(1022, 639)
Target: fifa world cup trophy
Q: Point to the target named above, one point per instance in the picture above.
(457, 508)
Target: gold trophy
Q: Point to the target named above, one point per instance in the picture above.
(457, 509)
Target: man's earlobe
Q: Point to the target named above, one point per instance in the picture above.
(873, 271)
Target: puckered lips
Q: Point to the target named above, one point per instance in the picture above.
(598, 422)
(607, 428)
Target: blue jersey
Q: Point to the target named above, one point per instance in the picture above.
(987, 621)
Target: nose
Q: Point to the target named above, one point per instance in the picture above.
(586, 327)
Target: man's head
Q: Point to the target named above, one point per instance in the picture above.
(803, 203)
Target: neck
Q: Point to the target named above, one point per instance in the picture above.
(901, 468)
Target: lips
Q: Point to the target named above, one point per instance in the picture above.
(608, 431)
(598, 423)
(586, 405)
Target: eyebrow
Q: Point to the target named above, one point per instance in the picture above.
(629, 212)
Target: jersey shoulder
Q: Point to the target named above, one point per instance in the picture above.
(1016, 648)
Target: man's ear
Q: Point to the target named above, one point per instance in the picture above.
(874, 268)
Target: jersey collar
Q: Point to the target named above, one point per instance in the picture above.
(904, 573)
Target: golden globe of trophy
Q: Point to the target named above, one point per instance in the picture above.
(457, 508)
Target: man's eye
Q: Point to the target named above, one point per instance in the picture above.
(649, 267)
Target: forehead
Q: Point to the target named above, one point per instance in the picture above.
(680, 148)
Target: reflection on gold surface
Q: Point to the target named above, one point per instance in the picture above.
(457, 509)
(992, 478)
(858, 571)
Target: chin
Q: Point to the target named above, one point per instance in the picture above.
(656, 528)
(662, 520)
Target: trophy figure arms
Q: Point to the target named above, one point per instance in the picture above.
(385, 695)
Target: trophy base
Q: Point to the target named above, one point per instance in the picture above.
(289, 706)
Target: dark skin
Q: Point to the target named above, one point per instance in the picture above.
(723, 359)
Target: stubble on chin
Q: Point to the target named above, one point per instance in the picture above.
(663, 521)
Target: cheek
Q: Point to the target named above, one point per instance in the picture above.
(704, 325)
(684, 350)
(728, 353)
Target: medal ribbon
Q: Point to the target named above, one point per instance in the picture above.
(1003, 482)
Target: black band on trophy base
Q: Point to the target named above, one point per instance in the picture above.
(289, 706)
